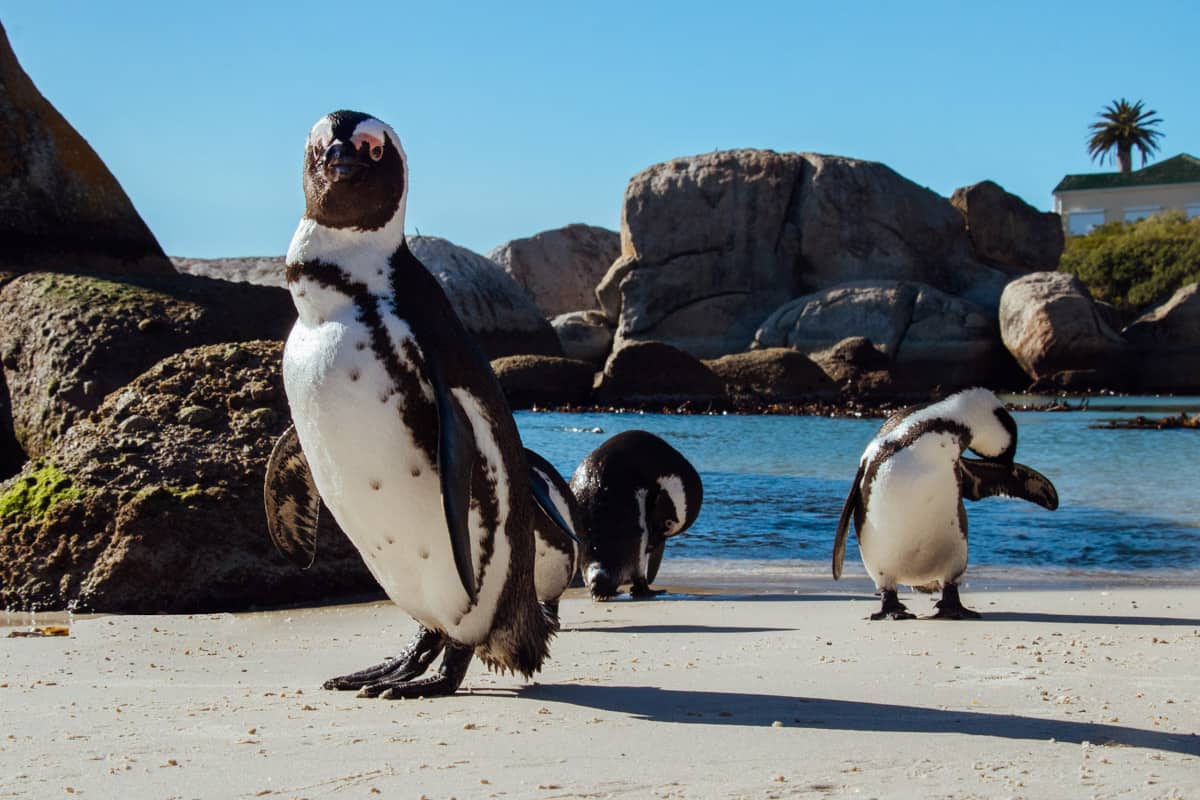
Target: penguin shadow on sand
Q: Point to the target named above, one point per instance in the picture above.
(654, 704)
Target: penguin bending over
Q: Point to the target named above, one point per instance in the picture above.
(635, 491)
(401, 428)
(906, 499)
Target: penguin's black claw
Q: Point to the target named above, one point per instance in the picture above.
(642, 591)
(892, 608)
(951, 607)
(411, 663)
(446, 682)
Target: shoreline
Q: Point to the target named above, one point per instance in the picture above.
(1053, 693)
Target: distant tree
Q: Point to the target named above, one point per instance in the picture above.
(1138, 264)
(1124, 126)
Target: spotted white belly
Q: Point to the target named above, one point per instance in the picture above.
(552, 568)
(380, 487)
(911, 534)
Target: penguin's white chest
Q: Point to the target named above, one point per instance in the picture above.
(912, 533)
(381, 487)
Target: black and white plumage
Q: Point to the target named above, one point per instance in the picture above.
(556, 550)
(906, 499)
(402, 425)
(635, 491)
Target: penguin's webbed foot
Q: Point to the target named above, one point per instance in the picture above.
(892, 607)
(445, 682)
(951, 607)
(412, 663)
(640, 590)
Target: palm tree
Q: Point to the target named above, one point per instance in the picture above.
(1124, 126)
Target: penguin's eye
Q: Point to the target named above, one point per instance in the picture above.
(374, 144)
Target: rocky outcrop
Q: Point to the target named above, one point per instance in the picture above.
(60, 207)
(1167, 341)
(1006, 230)
(856, 367)
(774, 375)
(155, 504)
(710, 245)
(932, 339)
(1053, 329)
(656, 374)
(559, 269)
(67, 341)
(584, 335)
(543, 381)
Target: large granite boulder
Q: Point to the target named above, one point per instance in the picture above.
(155, 504)
(931, 338)
(559, 269)
(1167, 340)
(1055, 332)
(584, 335)
(774, 375)
(491, 305)
(1006, 230)
(543, 381)
(60, 207)
(710, 245)
(67, 341)
(656, 374)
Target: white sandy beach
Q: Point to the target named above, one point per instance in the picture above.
(1074, 693)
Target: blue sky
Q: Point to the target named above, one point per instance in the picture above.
(519, 117)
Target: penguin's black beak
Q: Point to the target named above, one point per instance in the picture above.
(341, 162)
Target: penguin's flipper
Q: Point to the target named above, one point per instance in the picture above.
(541, 493)
(853, 500)
(456, 462)
(980, 478)
(292, 504)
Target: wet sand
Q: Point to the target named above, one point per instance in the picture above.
(1071, 693)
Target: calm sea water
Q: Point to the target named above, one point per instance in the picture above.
(774, 486)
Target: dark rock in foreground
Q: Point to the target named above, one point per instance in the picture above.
(530, 381)
(655, 373)
(156, 505)
(60, 207)
(773, 375)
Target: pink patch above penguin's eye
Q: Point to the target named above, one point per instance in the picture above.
(374, 144)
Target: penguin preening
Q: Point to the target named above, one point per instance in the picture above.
(906, 499)
(401, 428)
(635, 491)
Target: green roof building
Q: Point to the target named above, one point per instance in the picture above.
(1085, 201)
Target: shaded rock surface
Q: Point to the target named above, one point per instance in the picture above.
(60, 207)
(778, 374)
(559, 269)
(931, 338)
(1055, 332)
(166, 514)
(857, 367)
(1167, 339)
(711, 245)
(584, 335)
(544, 380)
(67, 341)
(1006, 230)
(642, 373)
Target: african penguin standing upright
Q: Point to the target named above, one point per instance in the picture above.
(906, 499)
(400, 427)
(635, 491)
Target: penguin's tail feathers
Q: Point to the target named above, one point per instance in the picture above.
(520, 647)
